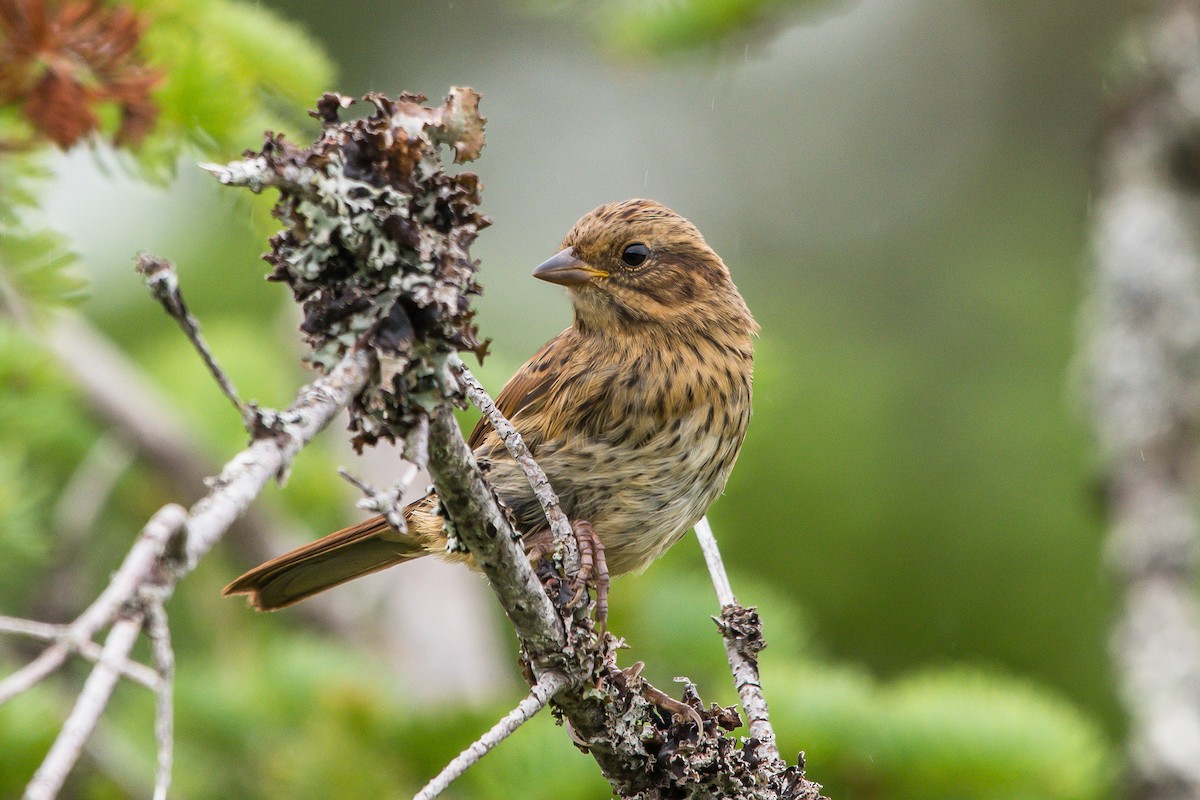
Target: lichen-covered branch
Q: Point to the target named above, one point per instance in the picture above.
(741, 630)
(476, 520)
(1143, 352)
(612, 712)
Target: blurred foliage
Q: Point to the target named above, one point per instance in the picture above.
(268, 708)
(949, 733)
(234, 70)
(654, 28)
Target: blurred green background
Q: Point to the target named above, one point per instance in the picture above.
(901, 191)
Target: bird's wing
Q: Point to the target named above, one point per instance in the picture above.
(526, 389)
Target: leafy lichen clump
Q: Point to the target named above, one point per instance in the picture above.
(376, 243)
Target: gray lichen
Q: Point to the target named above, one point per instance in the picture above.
(376, 244)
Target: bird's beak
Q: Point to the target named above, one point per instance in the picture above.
(567, 270)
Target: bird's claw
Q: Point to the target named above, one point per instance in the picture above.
(592, 567)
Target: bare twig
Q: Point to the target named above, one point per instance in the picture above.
(93, 699)
(160, 557)
(123, 397)
(742, 632)
(137, 672)
(163, 283)
(548, 685)
(269, 457)
(386, 502)
(122, 588)
(164, 716)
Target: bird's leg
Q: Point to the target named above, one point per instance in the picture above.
(592, 566)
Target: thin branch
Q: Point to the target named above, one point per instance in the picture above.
(93, 699)
(548, 685)
(123, 397)
(385, 502)
(123, 587)
(164, 716)
(245, 475)
(35, 671)
(133, 670)
(163, 283)
(716, 566)
(160, 558)
(742, 631)
(559, 524)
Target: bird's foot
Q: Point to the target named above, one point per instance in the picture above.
(592, 567)
(539, 549)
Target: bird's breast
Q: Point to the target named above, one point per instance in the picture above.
(649, 449)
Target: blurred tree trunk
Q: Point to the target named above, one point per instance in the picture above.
(1144, 354)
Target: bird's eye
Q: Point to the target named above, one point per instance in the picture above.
(635, 254)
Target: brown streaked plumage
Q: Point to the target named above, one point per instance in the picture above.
(636, 412)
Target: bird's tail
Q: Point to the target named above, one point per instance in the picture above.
(350, 553)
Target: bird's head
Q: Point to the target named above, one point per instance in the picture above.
(639, 263)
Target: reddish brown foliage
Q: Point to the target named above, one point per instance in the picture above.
(60, 60)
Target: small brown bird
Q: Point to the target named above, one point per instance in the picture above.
(636, 412)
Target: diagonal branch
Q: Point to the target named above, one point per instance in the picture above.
(93, 699)
(133, 670)
(133, 573)
(163, 282)
(539, 695)
(494, 545)
(559, 524)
